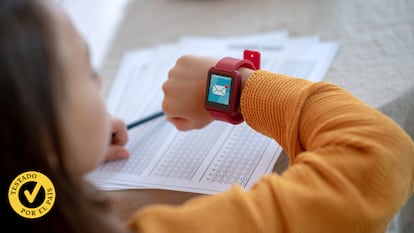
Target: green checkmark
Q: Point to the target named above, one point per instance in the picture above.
(31, 196)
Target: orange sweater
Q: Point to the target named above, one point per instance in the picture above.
(351, 168)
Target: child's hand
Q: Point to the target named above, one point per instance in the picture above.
(119, 138)
(184, 93)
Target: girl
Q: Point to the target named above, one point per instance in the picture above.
(53, 118)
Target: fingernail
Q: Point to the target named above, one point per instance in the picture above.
(123, 154)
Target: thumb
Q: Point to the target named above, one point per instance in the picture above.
(115, 152)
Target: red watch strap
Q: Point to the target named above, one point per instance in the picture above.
(235, 119)
(229, 63)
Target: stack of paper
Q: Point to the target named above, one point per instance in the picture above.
(208, 160)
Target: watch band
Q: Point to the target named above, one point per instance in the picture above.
(229, 63)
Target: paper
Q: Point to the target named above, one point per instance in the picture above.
(211, 159)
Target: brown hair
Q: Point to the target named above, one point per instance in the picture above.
(31, 89)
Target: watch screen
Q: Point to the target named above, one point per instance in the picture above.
(219, 91)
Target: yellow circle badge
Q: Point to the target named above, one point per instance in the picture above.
(31, 194)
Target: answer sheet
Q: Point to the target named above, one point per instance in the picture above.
(211, 159)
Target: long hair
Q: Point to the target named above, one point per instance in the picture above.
(31, 90)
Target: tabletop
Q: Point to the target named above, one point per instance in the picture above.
(375, 61)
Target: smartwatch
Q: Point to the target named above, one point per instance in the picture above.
(223, 89)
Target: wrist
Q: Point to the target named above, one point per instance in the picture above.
(224, 86)
(245, 73)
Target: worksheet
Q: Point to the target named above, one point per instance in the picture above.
(207, 160)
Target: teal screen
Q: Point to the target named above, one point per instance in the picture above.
(219, 91)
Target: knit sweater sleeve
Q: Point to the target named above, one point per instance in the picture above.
(351, 168)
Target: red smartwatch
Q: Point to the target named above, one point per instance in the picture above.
(223, 89)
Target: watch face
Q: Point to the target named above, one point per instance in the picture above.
(219, 89)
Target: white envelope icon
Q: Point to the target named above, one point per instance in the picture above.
(219, 90)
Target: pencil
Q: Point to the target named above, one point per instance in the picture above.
(145, 119)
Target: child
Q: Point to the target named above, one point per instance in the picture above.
(351, 168)
(53, 120)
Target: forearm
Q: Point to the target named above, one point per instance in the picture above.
(299, 113)
(343, 154)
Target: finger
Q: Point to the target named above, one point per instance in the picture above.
(119, 132)
(173, 109)
(116, 152)
(180, 123)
